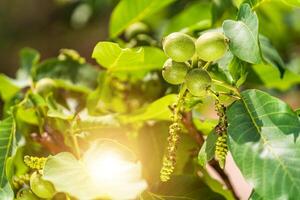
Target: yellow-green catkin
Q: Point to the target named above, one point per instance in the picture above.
(36, 163)
(169, 159)
(221, 149)
(221, 130)
(19, 181)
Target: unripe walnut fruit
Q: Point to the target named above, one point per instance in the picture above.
(174, 72)
(179, 46)
(211, 46)
(41, 187)
(198, 81)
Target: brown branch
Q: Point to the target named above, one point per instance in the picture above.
(213, 163)
(187, 121)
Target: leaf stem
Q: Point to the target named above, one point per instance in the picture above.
(227, 86)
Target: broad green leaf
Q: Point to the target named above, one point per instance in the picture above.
(63, 171)
(270, 54)
(185, 187)
(66, 68)
(222, 9)
(190, 16)
(115, 59)
(238, 71)
(7, 135)
(86, 122)
(263, 139)
(29, 57)
(6, 193)
(292, 2)
(7, 88)
(270, 77)
(158, 110)
(243, 35)
(129, 11)
(255, 196)
(294, 65)
(207, 151)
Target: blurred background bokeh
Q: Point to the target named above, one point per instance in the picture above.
(50, 25)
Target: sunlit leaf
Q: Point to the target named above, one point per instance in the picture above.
(264, 142)
(115, 59)
(158, 110)
(7, 135)
(7, 88)
(190, 16)
(129, 11)
(243, 35)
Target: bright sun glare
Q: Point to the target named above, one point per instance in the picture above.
(107, 167)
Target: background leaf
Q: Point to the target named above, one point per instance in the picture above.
(28, 57)
(7, 134)
(158, 110)
(271, 55)
(263, 139)
(270, 77)
(185, 187)
(6, 193)
(112, 57)
(129, 11)
(243, 35)
(190, 16)
(7, 88)
(207, 151)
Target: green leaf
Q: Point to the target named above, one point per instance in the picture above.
(270, 54)
(190, 16)
(129, 11)
(7, 135)
(243, 35)
(185, 187)
(263, 139)
(29, 57)
(292, 2)
(63, 170)
(158, 110)
(85, 123)
(255, 196)
(207, 151)
(80, 178)
(7, 88)
(270, 77)
(66, 68)
(115, 59)
(6, 193)
(238, 71)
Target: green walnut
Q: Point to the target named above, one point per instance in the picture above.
(211, 46)
(179, 46)
(136, 29)
(45, 86)
(40, 187)
(198, 81)
(26, 194)
(174, 72)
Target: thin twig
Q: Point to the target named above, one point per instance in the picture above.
(213, 163)
(187, 120)
(198, 136)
